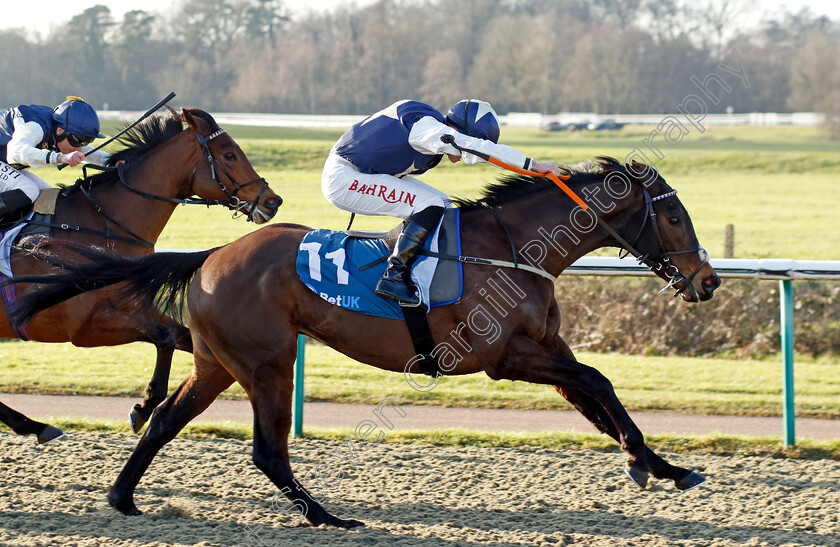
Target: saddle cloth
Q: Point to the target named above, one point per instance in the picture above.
(43, 207)
(333, 265)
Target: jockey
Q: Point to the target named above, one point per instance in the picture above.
(370, 171)
(33, 136)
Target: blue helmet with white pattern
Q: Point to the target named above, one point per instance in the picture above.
(475, 118)
(77, 117)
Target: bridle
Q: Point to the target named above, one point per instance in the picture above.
(662, 262)
(240, 207)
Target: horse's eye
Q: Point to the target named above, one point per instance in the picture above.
(230, 156)
(674, 220)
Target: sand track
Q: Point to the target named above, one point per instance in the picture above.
(207, 492)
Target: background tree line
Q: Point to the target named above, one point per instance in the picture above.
(604, 56)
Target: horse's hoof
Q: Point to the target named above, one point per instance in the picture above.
(50, 433)
(347, 523)
(124, 506)
(690, 481)
(136, 419)
(637, 475)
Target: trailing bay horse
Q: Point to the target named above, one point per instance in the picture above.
(163, 165)
(247, 305)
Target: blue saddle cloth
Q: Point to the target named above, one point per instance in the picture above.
(328, 263)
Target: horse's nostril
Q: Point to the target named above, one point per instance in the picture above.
(274, 203)
(711, 283)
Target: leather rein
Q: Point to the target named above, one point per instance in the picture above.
(662, 263)
(240, 207)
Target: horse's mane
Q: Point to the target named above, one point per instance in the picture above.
(510, 187)
(143, 137)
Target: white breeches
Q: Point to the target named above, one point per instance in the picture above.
(13, 179)
(348, 189)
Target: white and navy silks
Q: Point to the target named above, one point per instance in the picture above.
(27, 139)
(370, 169)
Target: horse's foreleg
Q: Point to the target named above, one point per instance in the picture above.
(529, 361)
(271, 398)
(592, 411)
(164, 340)
(683, 478)
(22, 425)
(195, 394)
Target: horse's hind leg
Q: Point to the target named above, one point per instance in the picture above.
(595, 413)
(155, 392)
(206, 380)
(271, 398)
(22, 425)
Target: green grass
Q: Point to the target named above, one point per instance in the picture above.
(694, 385)
(721, 445)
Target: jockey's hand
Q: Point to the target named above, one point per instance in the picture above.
(545, 167)
(72, 159)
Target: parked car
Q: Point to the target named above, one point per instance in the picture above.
(578, 126)
(610, 124)
(554, 126)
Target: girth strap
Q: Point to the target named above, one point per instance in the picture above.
(421, 337)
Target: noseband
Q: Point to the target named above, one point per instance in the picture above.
(239, 207)
(662, 262)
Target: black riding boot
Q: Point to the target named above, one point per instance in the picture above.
(396, 283)
(11, 202)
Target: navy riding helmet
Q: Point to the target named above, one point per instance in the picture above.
(77, 117)
(475, 118)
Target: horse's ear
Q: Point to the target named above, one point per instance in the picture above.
(608, 164)
(645, 174)
(193, 118)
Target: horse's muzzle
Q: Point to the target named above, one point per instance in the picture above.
(709, 284)
(690, 292)
(266, 209)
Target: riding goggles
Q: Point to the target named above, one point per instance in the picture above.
(78, 141)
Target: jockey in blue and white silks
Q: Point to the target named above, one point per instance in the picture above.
(371, 169)
(33, 136)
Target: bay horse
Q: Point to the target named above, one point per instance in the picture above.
(163, 164)
(247, 306)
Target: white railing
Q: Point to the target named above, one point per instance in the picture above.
(743, 268)
(514, 119)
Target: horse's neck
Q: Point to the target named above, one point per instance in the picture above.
(164, 172)
(550, 231)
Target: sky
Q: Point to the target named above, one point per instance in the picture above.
(39, 15)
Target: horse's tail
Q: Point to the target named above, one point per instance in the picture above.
(156, 279)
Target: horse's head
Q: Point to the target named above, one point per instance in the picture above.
(660, 229)
(227, 174)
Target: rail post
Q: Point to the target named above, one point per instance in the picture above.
(297, 395)
(786, 305)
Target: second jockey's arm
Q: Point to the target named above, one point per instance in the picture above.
(425, 137)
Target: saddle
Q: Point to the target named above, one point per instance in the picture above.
(448, 280)
(343, 268)
(44, 205)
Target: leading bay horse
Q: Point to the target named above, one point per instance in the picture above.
(247, 305)
(164, 164)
